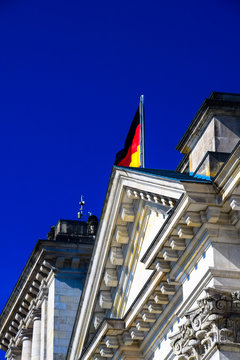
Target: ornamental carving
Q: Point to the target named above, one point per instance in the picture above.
(215, 321)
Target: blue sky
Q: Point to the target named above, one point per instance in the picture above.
(71, 74)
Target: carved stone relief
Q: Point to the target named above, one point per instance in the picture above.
(215, 321)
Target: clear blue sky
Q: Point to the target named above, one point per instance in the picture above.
(71, 73)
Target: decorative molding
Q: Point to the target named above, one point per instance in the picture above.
(142, 325)
(98, 357)
(36, 314)
(110, 278)
(136, 334)
(105, 351)
(43, 294)
(235, 203)
(148, 316)
(169, 254)
(13, 353)
(160, 298)
(167, 289)
(216, 320)
(153, 198)
(105, 299)
(213, 214)
(193, 219)
(154, 308)
(116, 256)
(127, 213)
(162, 265)
(98, 318)
(177, 244)
(127, 338)
(185, 232)
(121, 234)
(26, 334)
(111, 342)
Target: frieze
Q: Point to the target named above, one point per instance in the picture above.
(216, 320)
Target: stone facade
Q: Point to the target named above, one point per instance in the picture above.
(163, 279)
(37, 321)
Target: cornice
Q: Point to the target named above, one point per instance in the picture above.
(203, 237)
(109, 326)
(163, 323)
(210, 108)
(192, 210)
(165, 230)
(229, 176)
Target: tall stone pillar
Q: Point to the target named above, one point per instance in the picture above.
(36, 337)
(26, 335)
(43, 303)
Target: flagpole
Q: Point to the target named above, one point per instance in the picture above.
(142, 122)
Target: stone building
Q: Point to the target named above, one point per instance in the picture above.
(161, 279)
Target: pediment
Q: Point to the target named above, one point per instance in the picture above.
(135, 208)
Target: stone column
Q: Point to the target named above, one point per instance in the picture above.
(26, 335)
(36, 337)
(43, 303)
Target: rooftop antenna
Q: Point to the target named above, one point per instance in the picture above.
(81, 203)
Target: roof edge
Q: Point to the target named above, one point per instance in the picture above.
(216, 99)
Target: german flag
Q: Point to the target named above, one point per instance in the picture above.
(130, 154)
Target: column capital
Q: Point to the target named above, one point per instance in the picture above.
(43, 294)
(36, 314)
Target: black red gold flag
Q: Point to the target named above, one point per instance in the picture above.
(130, 154)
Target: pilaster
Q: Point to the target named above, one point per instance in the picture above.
(36, 337)
(43, 304)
